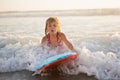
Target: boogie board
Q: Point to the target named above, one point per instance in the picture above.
(55, 60)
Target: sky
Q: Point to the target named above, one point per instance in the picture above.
(29, 5)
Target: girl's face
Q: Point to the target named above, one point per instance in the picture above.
(52, 28)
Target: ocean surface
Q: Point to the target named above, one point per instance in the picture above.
(97, 38)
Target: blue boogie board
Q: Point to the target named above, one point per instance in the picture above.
(55, 60)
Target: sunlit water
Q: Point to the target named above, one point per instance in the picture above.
(97, 38)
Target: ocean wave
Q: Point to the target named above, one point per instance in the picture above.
(99, 56)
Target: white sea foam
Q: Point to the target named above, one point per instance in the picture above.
(103, 63)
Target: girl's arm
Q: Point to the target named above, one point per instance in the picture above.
(69, 45)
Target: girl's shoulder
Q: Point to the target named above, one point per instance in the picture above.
(61, 34)
(44, 39)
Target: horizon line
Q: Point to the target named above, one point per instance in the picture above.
(18, 11)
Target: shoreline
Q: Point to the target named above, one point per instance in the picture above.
(27, 75)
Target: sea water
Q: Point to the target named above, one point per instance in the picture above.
(97, 39)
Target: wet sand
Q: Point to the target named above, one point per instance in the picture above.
(27, 75)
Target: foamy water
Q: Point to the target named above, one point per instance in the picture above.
(97, 39)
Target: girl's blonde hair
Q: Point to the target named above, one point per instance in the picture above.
(49, 21)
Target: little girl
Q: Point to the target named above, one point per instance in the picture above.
(53, 35)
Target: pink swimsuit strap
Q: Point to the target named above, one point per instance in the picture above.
(59, 42)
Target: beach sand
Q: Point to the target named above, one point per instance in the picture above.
(27, 75)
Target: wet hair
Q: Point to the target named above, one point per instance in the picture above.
(51, 20)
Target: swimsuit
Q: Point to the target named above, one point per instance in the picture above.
(58, 41)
